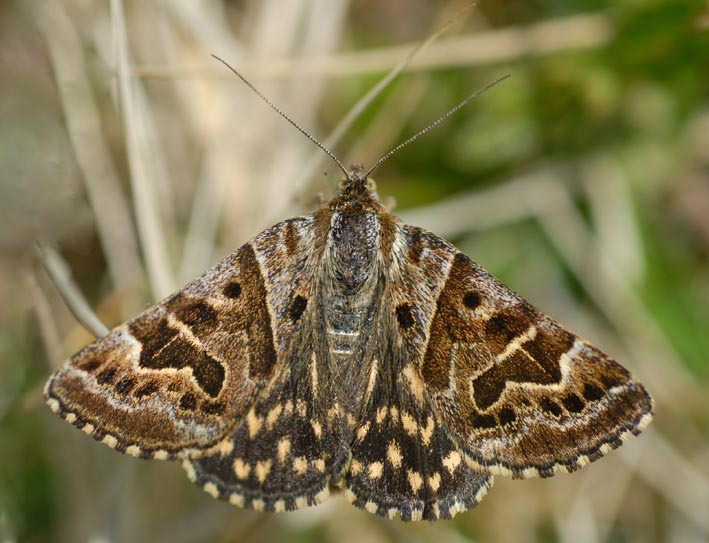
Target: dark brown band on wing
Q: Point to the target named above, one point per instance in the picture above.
(162, 347)
(538, 361)
(261, 346)
(447, 327)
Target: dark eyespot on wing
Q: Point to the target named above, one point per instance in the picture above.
(551, 407)
(472, 299)
(591, 392)
(188, 402)
(405, 316)
(573, 403)
(147, 389)
(298, 307)
(125, 385)
(106, 376)
(483, 422)
(507, 416)
(232, 290)
(212, 408)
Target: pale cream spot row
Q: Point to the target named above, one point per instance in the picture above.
(375, 470)
(452, 461)
(225, 447)
(362, 431)
(258, 505)
(133, 450)
(434, 481)
(427, 433)
(254, 423)
(279, 506)
(409, 424)
(394, 455)
(283, 449)
(160, 455)
(300, 465)
(355, 467)
(241, 468)
(317, 428)
(70, 418)
(189, 470)
(319, 465)
(212, 490)
(415, 480)
(273, 415)
(236, 499)
(334, 412)
(88, 429)
(263, 468)
(110, 441)
(301, 501)
(582, 461)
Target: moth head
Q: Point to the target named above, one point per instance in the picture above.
(357, 185)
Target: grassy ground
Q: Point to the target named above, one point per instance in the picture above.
(582, 182)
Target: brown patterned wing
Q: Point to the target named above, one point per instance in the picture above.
(405, 464)
(177, 378)
(522, 395)
(282, 455)
(290, 445)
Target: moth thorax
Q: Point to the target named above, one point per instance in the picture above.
(354, 248)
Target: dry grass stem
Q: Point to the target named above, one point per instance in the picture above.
(103, 188)
(482, 47)
(144, 164)
(60, 275)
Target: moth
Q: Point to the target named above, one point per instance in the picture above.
(345, 349)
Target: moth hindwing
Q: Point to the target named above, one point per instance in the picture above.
(347, 349)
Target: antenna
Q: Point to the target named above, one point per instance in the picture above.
(286, 117)
(433, 124)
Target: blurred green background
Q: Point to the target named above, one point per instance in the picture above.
(582, 182)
